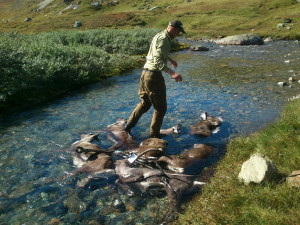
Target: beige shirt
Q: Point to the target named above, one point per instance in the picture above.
(158, 53)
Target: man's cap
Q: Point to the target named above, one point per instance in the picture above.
(177, 24)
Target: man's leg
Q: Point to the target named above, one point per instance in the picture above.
(139, 110)
(142, 107)
(160, 108)
(157, 95)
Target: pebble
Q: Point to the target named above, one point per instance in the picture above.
(54, 221)
(291, 79)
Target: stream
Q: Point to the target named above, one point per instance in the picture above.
(237, 83)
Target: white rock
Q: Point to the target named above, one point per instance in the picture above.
(291, 79)
(257, 169)
(281, 84)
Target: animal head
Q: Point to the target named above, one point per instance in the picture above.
(89, 137)
(177, 128)
(121, 123)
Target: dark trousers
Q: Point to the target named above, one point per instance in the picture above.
(152, 91)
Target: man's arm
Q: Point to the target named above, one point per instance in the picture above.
(173, 62)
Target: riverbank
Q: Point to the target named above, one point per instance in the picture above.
(225, 200)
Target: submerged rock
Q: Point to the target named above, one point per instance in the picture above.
(74, 204)
(258, 169)
(243, 39)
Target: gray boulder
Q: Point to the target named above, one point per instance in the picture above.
(77, 24)
(242, 39)
(281, 25)
(258, 169)
(96, 5)
(293, 180)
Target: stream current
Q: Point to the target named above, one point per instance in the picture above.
(238, 83)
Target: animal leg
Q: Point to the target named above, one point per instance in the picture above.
(125, 188)
(173, 202)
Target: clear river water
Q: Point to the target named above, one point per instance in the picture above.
(238, 83)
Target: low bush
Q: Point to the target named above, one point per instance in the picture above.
(34, 68)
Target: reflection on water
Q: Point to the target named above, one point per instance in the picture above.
(238, 83)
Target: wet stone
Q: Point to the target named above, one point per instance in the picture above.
(74, 204)
(55, 221)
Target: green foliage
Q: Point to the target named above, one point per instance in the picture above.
(36, 67)
(225, 200)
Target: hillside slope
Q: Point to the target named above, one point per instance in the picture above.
(201, 18)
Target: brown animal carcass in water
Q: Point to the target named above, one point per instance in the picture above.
(172, 130)
(117, 134)
(174, 184)
(207, 126)
(103, 163)
(84, 150)
(179, 163)
(151, 143)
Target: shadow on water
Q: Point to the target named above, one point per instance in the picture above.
(238, 83)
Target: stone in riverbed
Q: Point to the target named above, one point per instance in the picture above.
(258, 169)
(74, 204)
(243, 39)
(199, 48)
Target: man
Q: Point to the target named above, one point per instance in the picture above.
(152, 89)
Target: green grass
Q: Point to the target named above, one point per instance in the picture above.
(226, 201)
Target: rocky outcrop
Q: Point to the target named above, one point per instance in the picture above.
(43, 4)
(243, 39)
(258, 169)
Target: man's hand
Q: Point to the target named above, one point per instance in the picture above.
(177, 77)
(174, 75)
